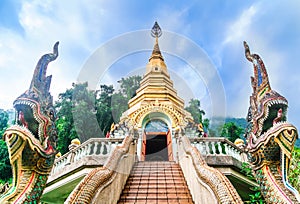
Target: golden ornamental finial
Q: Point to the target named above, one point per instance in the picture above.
(156, 30)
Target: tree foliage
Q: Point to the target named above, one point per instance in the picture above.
(294, 173)
(77, 112)
(256, 196)
(65, 123)
(129, 86)
(231, 131)
(5, 167)
(3, 121)
(84, 113)
(104, 109)
(197, 113)
(119, 105)
(195, 109)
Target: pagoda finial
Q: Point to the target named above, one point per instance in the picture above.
(156, 33)
(156, 30)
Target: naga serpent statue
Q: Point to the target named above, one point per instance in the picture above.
(270, 139)
(32, 140)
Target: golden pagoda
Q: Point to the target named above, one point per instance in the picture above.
(156, 103)
(156, 93)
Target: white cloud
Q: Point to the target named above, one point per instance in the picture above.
(44, 23)
(237, 29)
(175, 19)
(80, 27)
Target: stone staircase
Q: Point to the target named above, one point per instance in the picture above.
(156, 182)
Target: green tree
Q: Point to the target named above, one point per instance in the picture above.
(77, 116)
(256, 196)
(5, 167)
(103, 108)
(84, 113)
(129, 86)
(195, 109)
(206, 123)
(294, 173)
(231, 131)
(65, 123)
(119, 103)
(3, 121)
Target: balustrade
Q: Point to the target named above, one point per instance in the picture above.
(208, 146)
(216, 146)
(92, 147)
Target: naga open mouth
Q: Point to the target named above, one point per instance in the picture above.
(29, 116)
(271, 122)
(274, 114)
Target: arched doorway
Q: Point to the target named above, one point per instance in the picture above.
(157, 142)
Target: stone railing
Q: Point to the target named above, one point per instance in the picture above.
(201, 178)
(218, 146)
(99, 147)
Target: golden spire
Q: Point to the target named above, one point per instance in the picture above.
(156, 59)
(156, 33)
(156, 51)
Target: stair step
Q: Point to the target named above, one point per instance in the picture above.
(156, 182)
(157, 192)
(154, 177)
(156, 201)
(153, 197)
(161, 195)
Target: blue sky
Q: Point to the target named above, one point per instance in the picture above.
(29, 29)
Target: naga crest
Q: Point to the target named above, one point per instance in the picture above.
(267, 107)
(32, 140)
(34, 108)
(270, 138)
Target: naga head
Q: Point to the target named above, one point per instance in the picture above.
(267, 107)
(270, 138)
(35, 114)
(32, 140)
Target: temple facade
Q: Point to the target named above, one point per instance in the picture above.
(166, 161)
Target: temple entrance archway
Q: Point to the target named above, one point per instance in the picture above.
(156, 141)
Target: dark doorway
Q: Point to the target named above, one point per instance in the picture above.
(157, 142)
(156, 148)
